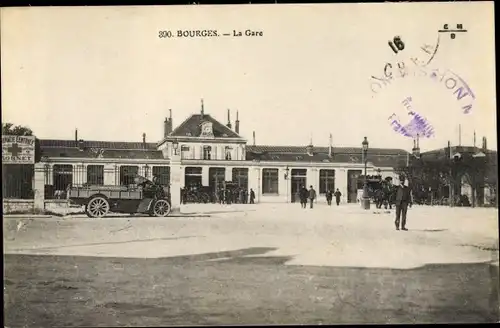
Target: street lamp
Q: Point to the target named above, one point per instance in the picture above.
(365, 202)
(175, 146)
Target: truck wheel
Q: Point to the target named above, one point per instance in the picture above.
(161, 208)
(97, 207)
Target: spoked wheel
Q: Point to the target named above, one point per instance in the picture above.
(97, 207)
(205, 198)
(161, 208)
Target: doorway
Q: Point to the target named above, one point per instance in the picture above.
(353, 184)
(299, 179)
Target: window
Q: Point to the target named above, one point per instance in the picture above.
(95, 175)
(326, 181)
(240, 176)
(217, 177)
(207, 152)
(228, 153)
(270, 181)
(127, 174)
(62, 178)
(192, 176)
(162, 173)
(185, 152)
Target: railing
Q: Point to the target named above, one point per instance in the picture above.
(17, 181)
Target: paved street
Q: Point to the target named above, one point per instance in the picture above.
(332, 236)
(261, 264)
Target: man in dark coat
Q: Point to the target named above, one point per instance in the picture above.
(329, 197)
(403, 199)
(252, 196)
(312, 196)
(337, 196)
(303, 194)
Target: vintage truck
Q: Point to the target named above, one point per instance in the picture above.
(144, 197)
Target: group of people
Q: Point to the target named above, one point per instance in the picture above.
(235, 196)
(306, 196)
(402, 200)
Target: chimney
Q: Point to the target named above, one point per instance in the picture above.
(254, 138)
(310, 148)
(474, 139)
(237, 124)
(202, 113)
(484, 146)
(144, 138)
(81, 145)
(448, 150)
(416, 148)
(167, 125)
(76, 135)
(229, 118)
(330, 146)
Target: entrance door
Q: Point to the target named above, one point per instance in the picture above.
(299, 179)
(352, 185)
(217, 177)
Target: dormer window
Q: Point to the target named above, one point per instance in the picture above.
(207, 152)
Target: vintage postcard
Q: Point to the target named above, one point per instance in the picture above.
(249, 164)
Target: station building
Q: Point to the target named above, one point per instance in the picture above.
(210, 153)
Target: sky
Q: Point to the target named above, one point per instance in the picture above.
(106, 71)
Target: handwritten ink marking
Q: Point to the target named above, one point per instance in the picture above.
(452, 32)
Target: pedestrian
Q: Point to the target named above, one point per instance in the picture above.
(252, 196)
(312, 196)
(337, 196)
(329, 197)
(403, 199)
(303, 194)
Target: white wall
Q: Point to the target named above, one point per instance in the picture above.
(196, 150)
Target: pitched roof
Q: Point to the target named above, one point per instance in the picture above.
(107, 153)
(377, 156)
(336, 150)
(191, 127)
(44, 143)
(92, 149)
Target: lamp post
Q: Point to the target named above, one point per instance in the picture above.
(287, 170)
(365, 202)
(175, 146)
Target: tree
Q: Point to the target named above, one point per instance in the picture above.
(426, 173)
(18, 130)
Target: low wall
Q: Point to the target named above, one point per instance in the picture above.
(18, 206)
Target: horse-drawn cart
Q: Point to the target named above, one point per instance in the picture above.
(143, 197)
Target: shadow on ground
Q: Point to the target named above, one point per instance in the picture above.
(238, 287)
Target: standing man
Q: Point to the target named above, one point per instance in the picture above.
(329, 197)
(337, 196)
(303, 194)
(403, 199)
(312, 196)
(252, 196)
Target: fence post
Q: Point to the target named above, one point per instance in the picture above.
(39, 186)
